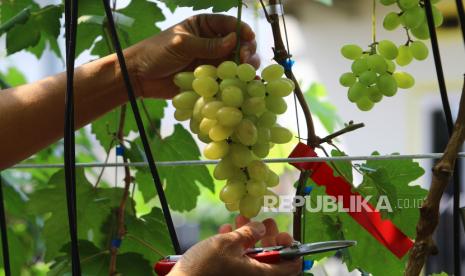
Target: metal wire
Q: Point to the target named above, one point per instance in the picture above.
(182, 163)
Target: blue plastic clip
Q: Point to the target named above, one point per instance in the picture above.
(115, 243)
(308, 264)
(119, 151)
(287, 64)
(308, 190)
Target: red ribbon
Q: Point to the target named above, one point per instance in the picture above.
(384, 231)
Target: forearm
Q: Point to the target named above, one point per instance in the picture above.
(32, 115)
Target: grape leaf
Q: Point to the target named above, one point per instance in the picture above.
(13, 77)
(148, 231)
(344, 167)
(107, 126)
(94, 206)
(315, 97)
(178, 146)
(19, 253)
(95, 261)
(217, 5)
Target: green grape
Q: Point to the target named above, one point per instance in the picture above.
(184, 80)
(204, 138)
(374, 94)
(224, 169)
(219, 133)
(368, 78)
(251, 118)
(435, 1)
(232, 96)
(356, 92)
(359, 66)
(257, 169)
(377, 63)
(205, 86)
(250, 206)
(233, 191)
(205, 71)
(437, 16)
(261, 150)
(210, 109)
(280, 135)
(226, 70)
(216, 150)
(276, 105)
(388, 49)
(419, 50)
(391, 21)
(194, 126)
(256, 88)
(229, 116)
(182, 114)
(232, 207)
(272, 72)
(364, 104)
(405, 56)
(421, 32)
(254, 106)
(256, 188)
(185, 100)
(207, 124)
(247, 133)
(199, 104)
(351, 51)
(279, 88)
(263, 134)
(388, 2)
(404, 80)
(391, 66)
(267, 119)
(414, 17)
(241, 156)
(232, 82)
(245, 72)
(407, 4)
(387, 85)
(347, 79)
(272, 179)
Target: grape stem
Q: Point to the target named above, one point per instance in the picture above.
(238, 32)
(429, 211)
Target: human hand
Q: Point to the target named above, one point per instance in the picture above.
(223, 254)
(201, 39)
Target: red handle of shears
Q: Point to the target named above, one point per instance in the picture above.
(164, 267)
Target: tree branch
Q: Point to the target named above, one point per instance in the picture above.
(429, 211)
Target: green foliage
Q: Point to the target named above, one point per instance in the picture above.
(316, 97)
(385, 178)
(217, 5)
(13, 77)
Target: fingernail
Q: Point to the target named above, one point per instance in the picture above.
(229, 40)
(258, 227)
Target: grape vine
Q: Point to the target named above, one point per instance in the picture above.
(373, 72)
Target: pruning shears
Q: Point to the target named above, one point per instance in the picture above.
(269, 255)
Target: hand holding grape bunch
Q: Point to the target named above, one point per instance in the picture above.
(234, 113)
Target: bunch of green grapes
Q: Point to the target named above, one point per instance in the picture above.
(373, 74)
(411, 16)
(234, 113)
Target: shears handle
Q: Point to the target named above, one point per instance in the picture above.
(164, 266)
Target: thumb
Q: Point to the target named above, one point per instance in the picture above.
(248, 235)
(213, 48)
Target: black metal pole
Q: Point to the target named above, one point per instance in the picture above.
(450, 127)
(3, 226)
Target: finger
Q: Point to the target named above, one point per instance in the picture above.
(246, 236)
(241, 221)
(225, 228)
(271, 232)
(249, 46)
(210, 48)
(284, 239)
(254, 61)
(224, 24)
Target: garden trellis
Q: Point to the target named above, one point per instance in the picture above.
(273, 14)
